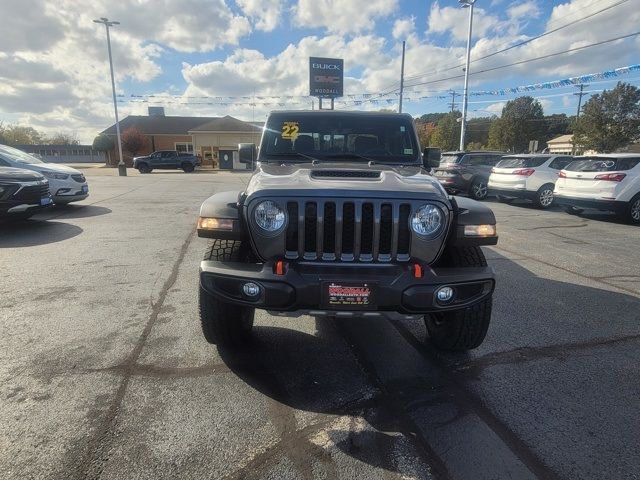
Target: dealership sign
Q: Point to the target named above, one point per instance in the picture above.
(326, 76)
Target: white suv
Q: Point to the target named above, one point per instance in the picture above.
(530, 176)
(609, 182)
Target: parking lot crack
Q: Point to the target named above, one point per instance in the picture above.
(99, 444)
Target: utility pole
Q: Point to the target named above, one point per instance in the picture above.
(453, 99)
(465, 96)
(580, 94)
(401, 79)
(122, 168)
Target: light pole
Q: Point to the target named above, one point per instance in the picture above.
(122, 168)
(465, 95)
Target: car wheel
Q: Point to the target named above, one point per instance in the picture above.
(224, 324)
(463, 329)
(571, 210)
(544, 196)
(479, 189)
(633, 211)
(144, 168)
(187, 167)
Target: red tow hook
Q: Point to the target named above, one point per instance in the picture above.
(279, 267)
(417, 270)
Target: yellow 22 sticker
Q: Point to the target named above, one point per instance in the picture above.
(290, 130)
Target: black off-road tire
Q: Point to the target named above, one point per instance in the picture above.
(144, 168)
(464, 329)
(632, 211)
(479, 189)
(187, 167)
(542, 196)
(223, 323)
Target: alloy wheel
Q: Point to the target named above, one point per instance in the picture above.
(635, 210)
(546, 197)
(480, 190)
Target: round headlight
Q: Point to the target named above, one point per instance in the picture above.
(269, 216)
(427, 220)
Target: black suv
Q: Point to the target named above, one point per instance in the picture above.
(341, 219)
(467, 172)
(22, 193)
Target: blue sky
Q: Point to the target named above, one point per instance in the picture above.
(57, 79)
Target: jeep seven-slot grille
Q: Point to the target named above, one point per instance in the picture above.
(348, 230)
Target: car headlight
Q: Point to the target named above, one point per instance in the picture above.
(56, 175)
(269, 216)
(427, 220)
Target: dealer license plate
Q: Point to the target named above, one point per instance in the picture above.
(45, 201)
(85, 189)
(349, 296)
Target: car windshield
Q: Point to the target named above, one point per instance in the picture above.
(451, 158)
(520, 162)
(335, 137)
(603, 164)
(14, 155)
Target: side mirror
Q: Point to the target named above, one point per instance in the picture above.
(247, 153)
(431, 158)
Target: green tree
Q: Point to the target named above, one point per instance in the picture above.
(20, 135)
(609, 120)
(103, 143)
(446, 135)
(477, 132)
(522, 120)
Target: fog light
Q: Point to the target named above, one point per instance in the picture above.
(444, 294)
(251, 289)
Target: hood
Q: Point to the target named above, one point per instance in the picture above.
(52, 167)
(344, 180)
(19, 175)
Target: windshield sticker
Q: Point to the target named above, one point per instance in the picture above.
(402, 128)
(290, 130)
(408, 151)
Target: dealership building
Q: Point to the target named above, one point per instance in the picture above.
(214, 139)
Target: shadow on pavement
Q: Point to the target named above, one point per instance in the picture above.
(78, 211)
(556, 354)
(30, 233)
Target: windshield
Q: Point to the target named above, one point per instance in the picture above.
(451, 158)
(602, 164)
(519, 162)
(14, 155)
(359, 138)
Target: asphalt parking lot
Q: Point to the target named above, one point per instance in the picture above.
(104, 372)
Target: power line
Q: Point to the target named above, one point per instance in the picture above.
(575, 49)
(524, 42)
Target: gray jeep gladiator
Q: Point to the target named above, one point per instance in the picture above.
(166, 159)
(340, 218)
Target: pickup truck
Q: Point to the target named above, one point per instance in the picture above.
(166, 159)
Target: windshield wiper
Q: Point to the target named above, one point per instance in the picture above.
(349, 155)
(296, 154)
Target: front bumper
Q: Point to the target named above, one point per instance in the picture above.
(303, 286)
(605, 205)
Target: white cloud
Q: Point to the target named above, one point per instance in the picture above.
(266, 13)
(404, 27)
(527, 9)
(456, 21)
(496, 108)
(342, 16)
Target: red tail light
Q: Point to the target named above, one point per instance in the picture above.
(562, 174)
(525, 172)
(613, 177)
